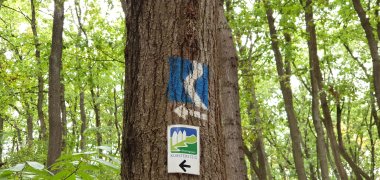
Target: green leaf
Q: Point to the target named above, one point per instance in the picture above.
(17, 167)
(106, 163)
(35, 165)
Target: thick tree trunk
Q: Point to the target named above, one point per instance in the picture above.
(40, 79)
(373, 47)
(230, 112)
(313, 59)
(316, 75)
(287, 97)
(84, 121)
(159, 30)
(55, 124)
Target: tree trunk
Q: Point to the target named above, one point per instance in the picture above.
(321, 148)
(287, 97)
(84, 121)
(116, 121)
(357, 170)
(262, 172)
(55, 124)
(29, 124)
(230, 112)
(64, 116)
(160, 32)
(373, 47)
(316, 75)
(40, 79)
(95, 97)
(1, 137)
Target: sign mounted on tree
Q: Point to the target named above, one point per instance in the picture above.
(188, 83)
(183, 149)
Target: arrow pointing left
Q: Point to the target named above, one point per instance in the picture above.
(183, 165)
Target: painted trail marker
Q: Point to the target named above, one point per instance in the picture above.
(183, 149)
(188, 83)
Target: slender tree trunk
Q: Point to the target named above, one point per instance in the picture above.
(230, 112)
(357, 170)
(29, 125)
(317, 76)
(313, 176)
(40, 100)
(373, 47)
(1, 137)
(73, 114)
(84, 121)
(157, 31)
(116, 121)
(262, 170)
(64, 116)
(373, 152)
(96, 105)
(287, 97)
(55, 124)
(313, 59)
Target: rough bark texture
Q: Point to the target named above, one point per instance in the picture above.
(321, 148)
(230, 112)
(158, 30)
(55, 124)
(40, 100)
(84, 121)
(317, 76)
(288, 98)
(373, 47)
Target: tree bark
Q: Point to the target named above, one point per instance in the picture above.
(84, 121)
(357, 170)
(1, 137)
(29, 124)
(55, 124)
(64, 115)
(157, 31)
(230, 112)
(316, 75)
(287, 97)
(40, 79)
(313, 59)
(263, 171)
(96, 105)
(116, 121)
(373, 47)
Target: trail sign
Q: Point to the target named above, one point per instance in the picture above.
(183, 149)
(188, 83)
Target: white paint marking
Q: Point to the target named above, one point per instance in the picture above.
(190, 82)
(183, 112)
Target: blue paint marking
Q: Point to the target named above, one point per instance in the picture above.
(179, 70)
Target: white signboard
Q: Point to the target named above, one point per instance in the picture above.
(183, 149)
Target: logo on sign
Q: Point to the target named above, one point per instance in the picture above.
(183, 140)
(188, 83)
(183, 149)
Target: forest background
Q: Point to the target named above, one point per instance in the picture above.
(274, 43)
